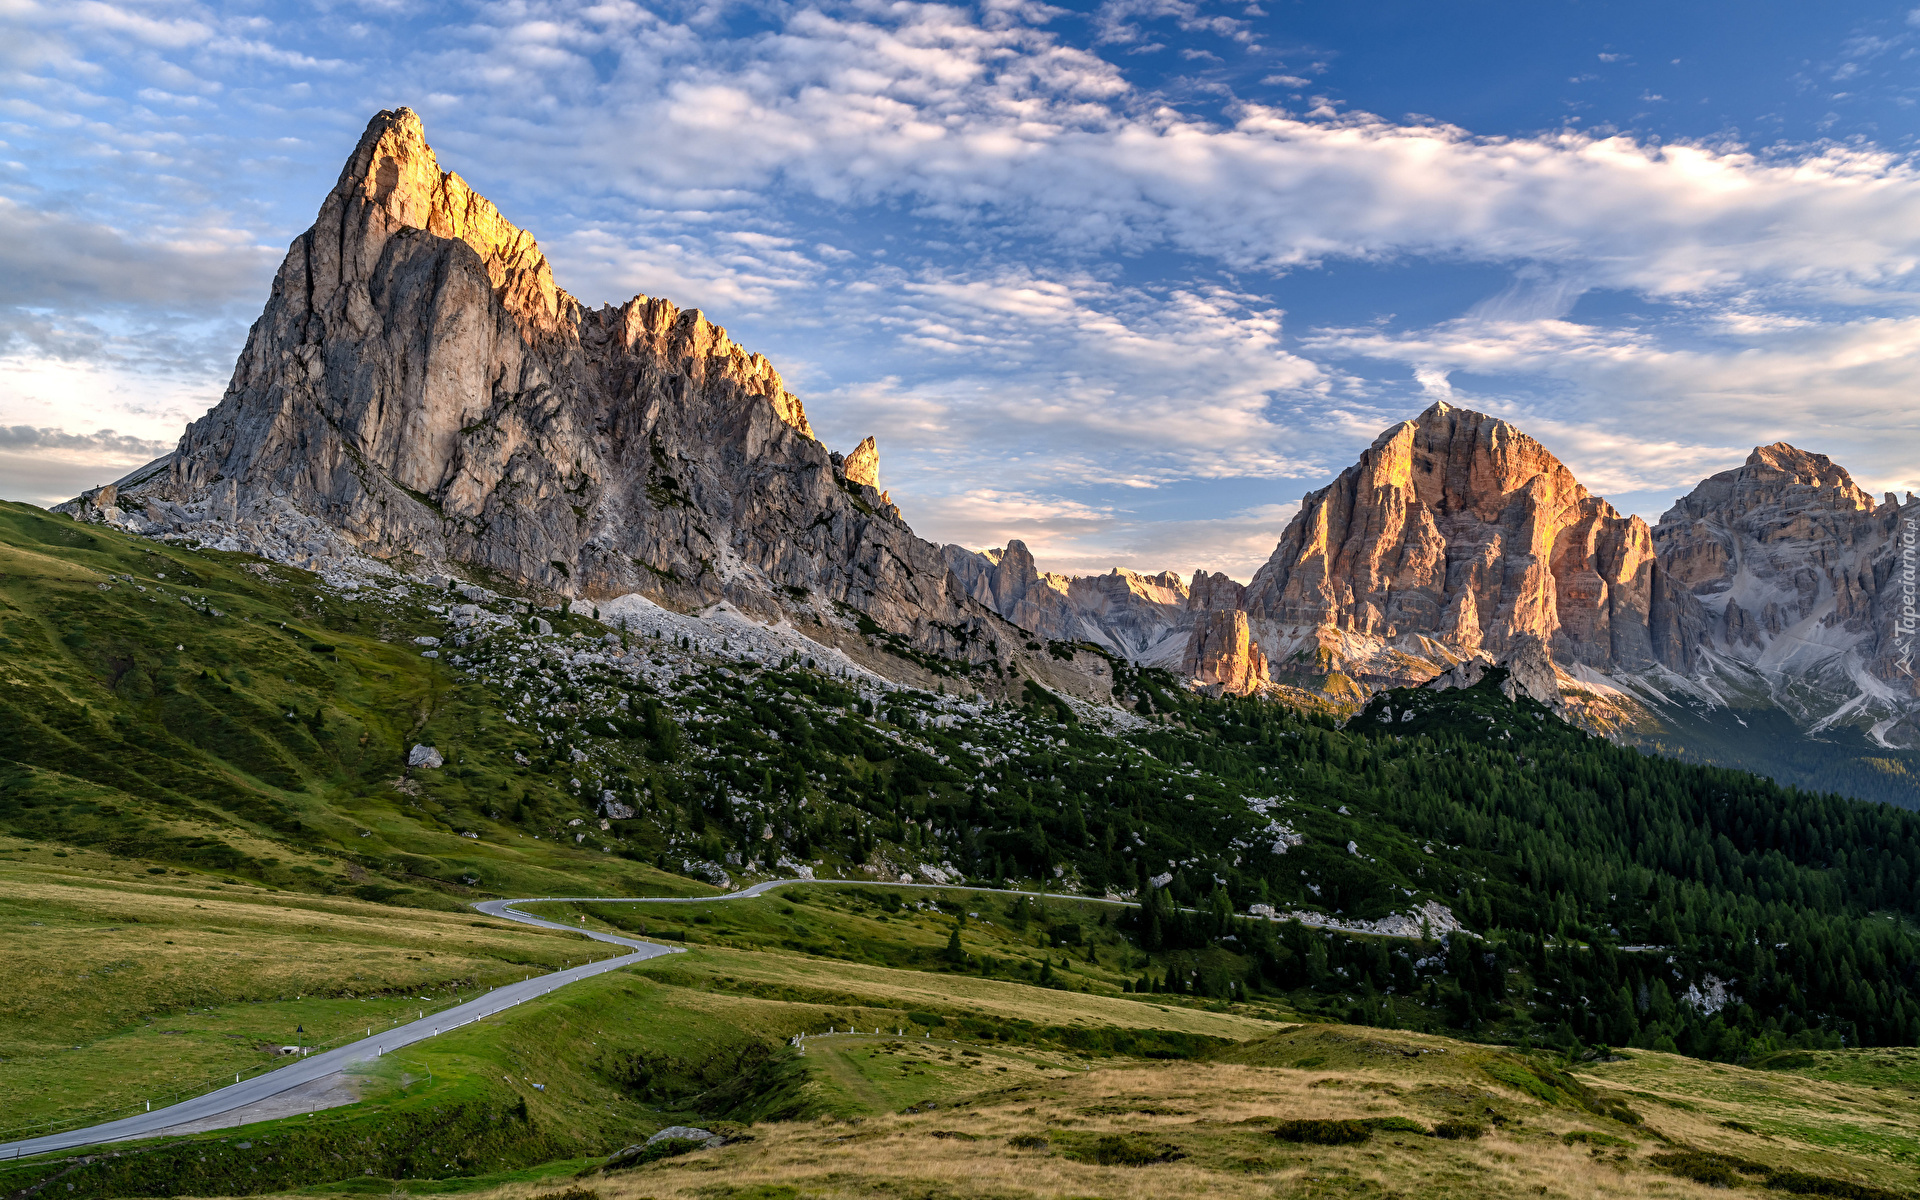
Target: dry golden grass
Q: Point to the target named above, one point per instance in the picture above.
(1864, 1131)
(1220, 1117)
(918, 989)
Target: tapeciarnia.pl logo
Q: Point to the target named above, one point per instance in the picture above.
(1909, 619)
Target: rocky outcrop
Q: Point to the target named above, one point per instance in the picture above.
(1221, 655)
(419, 390)
(863, 465)
(1527, 672)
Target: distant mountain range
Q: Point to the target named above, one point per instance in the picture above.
(418, 391)
(1759, 623)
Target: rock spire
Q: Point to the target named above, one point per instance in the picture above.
(419, 389)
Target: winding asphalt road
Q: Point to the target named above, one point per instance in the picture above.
(318, 1066)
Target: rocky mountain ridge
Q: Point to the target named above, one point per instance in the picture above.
(419, 392)
(1456, 538)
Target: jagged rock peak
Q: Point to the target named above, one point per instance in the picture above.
(1783, 554)
(416, 389)
(1774, 475)
(392, 183)
(1222, 655)
(1453, 458)
(1457, 527)
(1212, 590)
(394, 178)
(863, 465)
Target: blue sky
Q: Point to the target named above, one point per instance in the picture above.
(1123, 279)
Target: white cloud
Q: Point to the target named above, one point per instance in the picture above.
(46, 466)
(922, 105)
(1072, 538)
(1075, 378)
(1650, 409)
(738, 172)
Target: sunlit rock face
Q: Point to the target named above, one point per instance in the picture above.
(1457, 529)
(419, 389)
(1221, 654)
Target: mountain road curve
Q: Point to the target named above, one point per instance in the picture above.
(318, 1066)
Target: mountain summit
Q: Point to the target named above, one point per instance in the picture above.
(419, 390)
(1457, 533)
(1456, 538)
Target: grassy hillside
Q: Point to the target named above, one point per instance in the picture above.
(1313, 1111)
(164, 988)
(214, 837)
(204, 710)
(993, 1088)
(126, 987)
(251, 721)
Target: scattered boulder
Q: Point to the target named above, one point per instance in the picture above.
(425, 756)
(671, 1141)
(687, 1133)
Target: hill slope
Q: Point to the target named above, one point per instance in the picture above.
(182, 722)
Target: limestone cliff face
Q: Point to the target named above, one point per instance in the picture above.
(1142, 617)
(418, 389)
(1795, 581)
(1221, 654)
(1456, 534)
(1139, 617)
(1008, 582)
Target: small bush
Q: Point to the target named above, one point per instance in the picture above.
(1801, 1184)
(1117, 1150)
(1590, 1138)
(1028, 1141)
(1395, 1125)
(572, 1193)
(1324, 1132)
(1715, 1170)
(1460, 1131)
